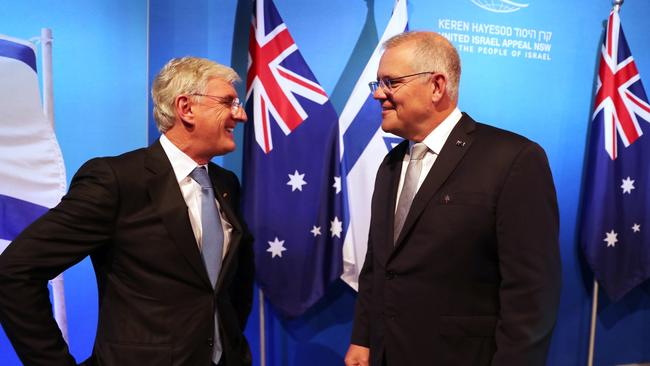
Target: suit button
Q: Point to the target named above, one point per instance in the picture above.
(210, 342)
(390, 275)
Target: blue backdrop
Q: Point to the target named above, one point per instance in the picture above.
(106, 52)
(100, 108)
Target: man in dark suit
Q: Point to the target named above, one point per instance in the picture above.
(463, 263)
(172, 256)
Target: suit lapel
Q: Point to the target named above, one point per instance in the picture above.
(168, 200)
(224, 196)
(452, 152)
(394, 166)
(384, 216)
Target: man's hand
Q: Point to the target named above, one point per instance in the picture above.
(357, 356)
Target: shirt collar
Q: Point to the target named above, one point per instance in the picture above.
(437, 138)
(181, 163)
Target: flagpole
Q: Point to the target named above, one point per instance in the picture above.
(617, 5)
(58, 290)
(262, 328)
(592, 331)
(48, 95)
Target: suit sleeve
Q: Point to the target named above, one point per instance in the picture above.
(78, 225)
(529, 260)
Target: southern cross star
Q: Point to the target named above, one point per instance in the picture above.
(611, 238)
(628, 185)
(336, 227)
(337, 184)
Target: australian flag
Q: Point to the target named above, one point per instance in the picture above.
(615, 229)
(293, 199)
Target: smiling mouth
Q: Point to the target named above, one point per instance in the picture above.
(386, 105)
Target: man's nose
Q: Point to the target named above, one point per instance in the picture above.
(379, 94)
(241, 116)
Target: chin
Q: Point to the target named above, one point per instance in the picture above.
(389, 127)
(228, 149)
(222, 150)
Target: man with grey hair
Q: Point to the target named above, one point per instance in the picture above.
(463, 264)
(172, 255)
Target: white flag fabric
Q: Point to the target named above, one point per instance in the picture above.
(364, 146)
(32, 174)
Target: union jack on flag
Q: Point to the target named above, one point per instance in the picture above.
(620, 93)
(293, 199)
(615, 227)
(271, 83)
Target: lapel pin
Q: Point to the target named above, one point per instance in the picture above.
(224, 194)
(460, 143)
(447, 198)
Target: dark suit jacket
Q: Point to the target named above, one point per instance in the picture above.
(474, 278)
(156, 303)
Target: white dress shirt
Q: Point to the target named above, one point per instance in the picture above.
(191, 190)
(434, 141)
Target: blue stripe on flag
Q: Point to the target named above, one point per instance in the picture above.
(16, 214)
(391, 142)
(19, 52)
(360, 131)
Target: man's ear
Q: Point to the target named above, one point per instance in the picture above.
(439, 87)
(184, 109)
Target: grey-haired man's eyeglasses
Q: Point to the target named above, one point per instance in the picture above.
(235, 104)
(387, 85)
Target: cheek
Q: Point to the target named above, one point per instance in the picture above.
(218, 124)
(416, 108)
(402, 112)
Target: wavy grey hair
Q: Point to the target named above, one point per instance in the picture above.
(187, 75)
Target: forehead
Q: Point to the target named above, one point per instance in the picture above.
(220, 87)
(396, 61)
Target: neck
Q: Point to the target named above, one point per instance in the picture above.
(183, 142)
(439, 114)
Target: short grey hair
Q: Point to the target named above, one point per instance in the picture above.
(187, 75)
(432, 52)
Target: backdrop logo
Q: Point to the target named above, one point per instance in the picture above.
(499, 6)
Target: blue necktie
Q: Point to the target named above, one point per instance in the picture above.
(211, 240)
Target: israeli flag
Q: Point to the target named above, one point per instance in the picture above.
(32, 174)
(364, 145)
